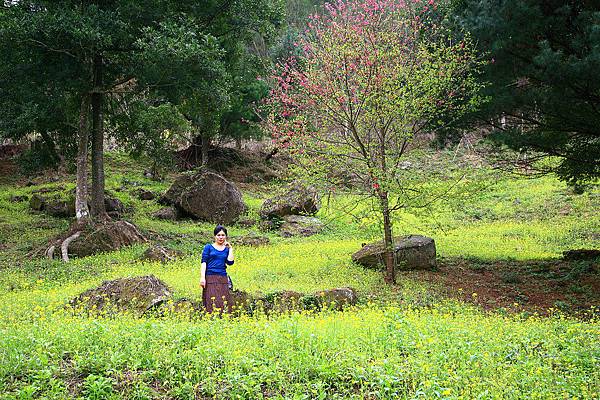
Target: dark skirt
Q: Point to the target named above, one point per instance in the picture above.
(216, 295)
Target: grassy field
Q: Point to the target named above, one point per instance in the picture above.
(407, 341)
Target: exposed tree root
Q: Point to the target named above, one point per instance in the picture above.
(50, 252)
(64, 247)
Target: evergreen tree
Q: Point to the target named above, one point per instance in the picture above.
(544, 91)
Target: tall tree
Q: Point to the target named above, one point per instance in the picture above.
(372, 76)
(544, 89)
(64, 52)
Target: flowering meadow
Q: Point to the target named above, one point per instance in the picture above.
(402, 342)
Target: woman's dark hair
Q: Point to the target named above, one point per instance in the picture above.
(220, 228)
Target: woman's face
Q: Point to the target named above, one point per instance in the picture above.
(220, 237)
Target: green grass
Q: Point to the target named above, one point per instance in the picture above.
(400, 342)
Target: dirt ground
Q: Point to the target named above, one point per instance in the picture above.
(543, 287)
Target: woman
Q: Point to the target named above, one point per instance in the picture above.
(216, 257)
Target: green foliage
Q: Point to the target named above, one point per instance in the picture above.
(147, 54)
(544, 59)
(401, 342)
(152, 131)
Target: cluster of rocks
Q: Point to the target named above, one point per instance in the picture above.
(143, 294)
(52, 203)
(292, 212)
(208, 196)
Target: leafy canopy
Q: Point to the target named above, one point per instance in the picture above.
(372, 76)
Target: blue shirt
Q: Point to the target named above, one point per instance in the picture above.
(216, 260)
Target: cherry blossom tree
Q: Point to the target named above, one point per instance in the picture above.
(373, 75)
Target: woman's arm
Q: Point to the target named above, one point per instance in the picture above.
(230, 257)
(205, 255)
(203, 274)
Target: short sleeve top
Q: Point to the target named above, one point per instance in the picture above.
(216, 260)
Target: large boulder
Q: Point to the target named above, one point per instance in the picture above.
(106, 237)
(206, 196)
(297, 199)
(136, 294)
(300, 225)
(410, 252)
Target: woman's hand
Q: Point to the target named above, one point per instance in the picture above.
(227, 244)
(203, 282)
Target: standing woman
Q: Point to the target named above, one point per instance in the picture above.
(216, 257)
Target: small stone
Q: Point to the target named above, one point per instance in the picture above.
(18, 199)
(161, 254)
(300, 225)
(166, 213)
(338, 298)
(144, 194)
(251, 239)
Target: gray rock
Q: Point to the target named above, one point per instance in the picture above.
(300, 225)
(180, 306)
(60, 208)
(166, 213)
(410, 252)
(337, 299)
(283, 301)
(144, 194)
(37, 202)
(112, 204)
(18, 199)
(251, 239)
(243, 302)
(297, 200)
(206, 196)
(161, 254)
(137, 294)
(268, 225)
(246, 222)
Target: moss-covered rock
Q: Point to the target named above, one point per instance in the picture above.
(136, 294)
(410, 252)
(105, 237)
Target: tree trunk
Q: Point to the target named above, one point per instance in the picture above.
(205, 146)
(82, 211)
(388, 255)
(238, 143)
(98, 209)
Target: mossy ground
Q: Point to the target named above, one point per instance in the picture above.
(430, 336)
